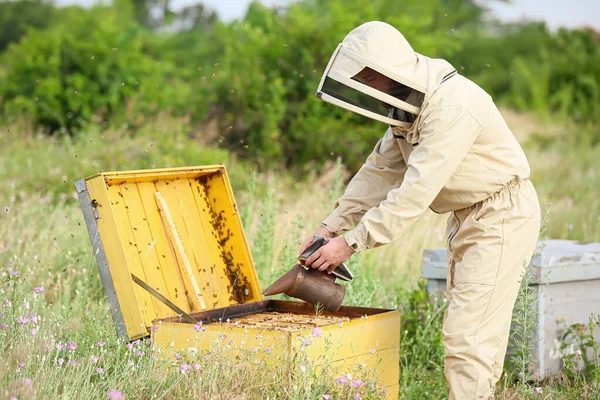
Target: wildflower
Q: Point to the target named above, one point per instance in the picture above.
(33, 317)
(326, 396)
(8, 303)
(60, 361)
(135, 342)
(357, 396)
(154, 328)
(99, 370)
(255, 348)
(268, 350)
(14, 273)
(230, 342)
(372, 351)
(3, 326)
(22, 364)
(140, 354)
(343, 379)
(340, 324)
(114, 394)
(196, 366)
(33, 331)
(357, 383)
(578, 353)
(303, 369)
(13, 398)
(317, 332)
(95, 359)
(183, 368)
(222, 336)
(570, 227)
(130, 346)
(178, 357)
(100, 343)
(71, 345)
(28, 381)
(22, 320)
(131, 363)
(538, 390)
(1, 316)
(61, 346)
(74, 362)
(38, 289)
(198, 326)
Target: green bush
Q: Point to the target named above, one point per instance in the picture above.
(254, 79)
(92, 63)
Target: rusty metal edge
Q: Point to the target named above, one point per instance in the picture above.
(240, 310)
(100, 256)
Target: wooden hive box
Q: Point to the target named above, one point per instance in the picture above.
(159, 224)
(566, 282)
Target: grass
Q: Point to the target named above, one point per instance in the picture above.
(44, 244)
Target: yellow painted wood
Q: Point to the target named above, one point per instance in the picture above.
(371, 359)
(207, 260)
(392, 392)
(203, 210)
(206, 266)
(145, 175)
(217, 192)
(219, 281)
(143, 238)
(383, 365)
(132, 252)
(158, 244)
(117, 261)
(264, 345)
(192, 289)
(352, 338)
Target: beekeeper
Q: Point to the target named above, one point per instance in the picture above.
(448, 148)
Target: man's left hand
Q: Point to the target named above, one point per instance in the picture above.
(328, 257)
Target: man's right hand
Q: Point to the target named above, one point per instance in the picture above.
(322, 231)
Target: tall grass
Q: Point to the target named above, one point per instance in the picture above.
(60, 342)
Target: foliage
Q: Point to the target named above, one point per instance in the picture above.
(17, 16)
(527, 67)
(525, 322)
(421, 347)
(43, 238)
(254, 78)
(92, 64)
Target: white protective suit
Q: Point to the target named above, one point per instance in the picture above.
(447, 148)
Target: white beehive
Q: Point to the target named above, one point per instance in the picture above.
(567, 287)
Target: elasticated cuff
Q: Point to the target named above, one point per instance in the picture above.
(357, 238)
(335, 225)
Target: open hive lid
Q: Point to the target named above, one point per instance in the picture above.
(553, 261)
(131, 234)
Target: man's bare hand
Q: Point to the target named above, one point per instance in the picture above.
(331, 255)
(321, 232)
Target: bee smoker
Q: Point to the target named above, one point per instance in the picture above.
(311, 285)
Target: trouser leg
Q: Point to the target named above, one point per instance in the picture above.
(488, 253)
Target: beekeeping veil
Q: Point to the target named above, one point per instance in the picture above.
(375, 72)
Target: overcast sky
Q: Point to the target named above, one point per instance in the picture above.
(569, 13)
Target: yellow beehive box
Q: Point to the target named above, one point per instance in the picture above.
(179, 231)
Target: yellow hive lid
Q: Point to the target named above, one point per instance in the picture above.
(159, 225)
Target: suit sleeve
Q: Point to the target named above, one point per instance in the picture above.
(446, 136)
(382, 171)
